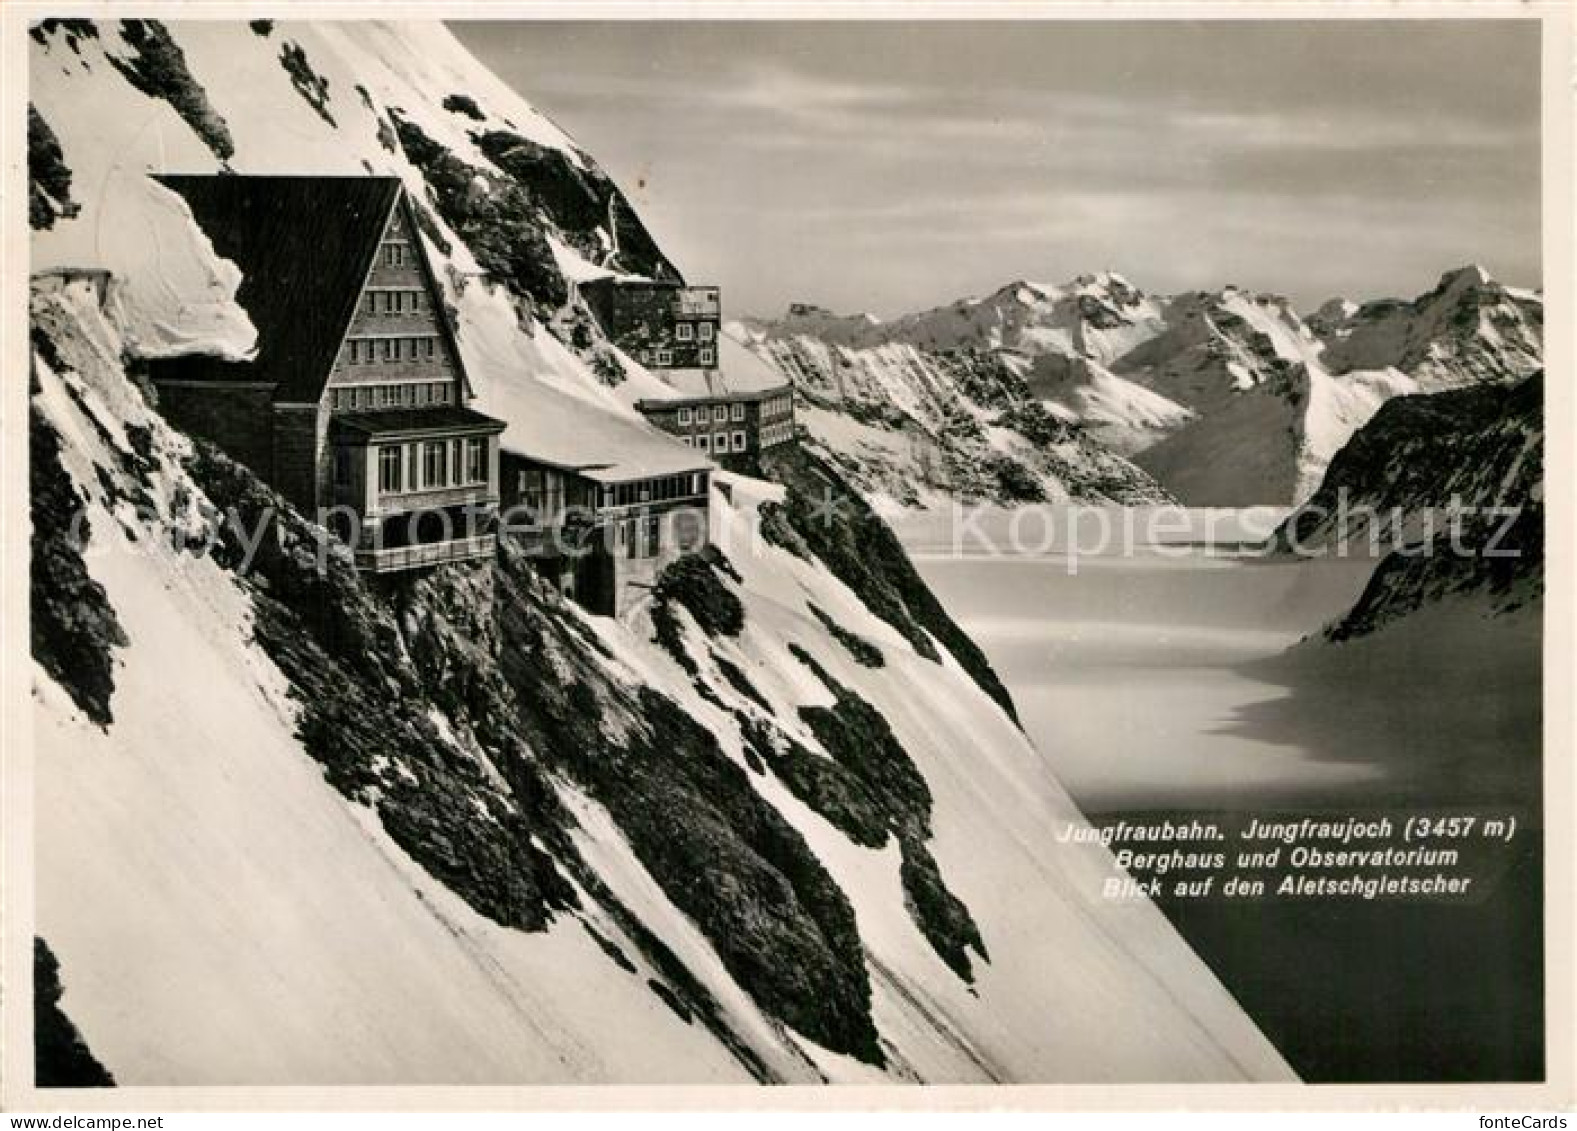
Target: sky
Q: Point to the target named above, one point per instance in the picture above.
(895, 166)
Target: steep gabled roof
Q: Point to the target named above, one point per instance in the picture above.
(304, 246)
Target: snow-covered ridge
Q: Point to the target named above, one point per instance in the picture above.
(542, 830)
(1226, 397)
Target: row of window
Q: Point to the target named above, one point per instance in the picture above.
(706, 355)
(366, 351)
(777, 406)
(432, 464)
(717, 442)
(775, 434)
(690, 331)
(718, 414)
(397, 254)
(657, 490)
(401, 301)
(409, 394)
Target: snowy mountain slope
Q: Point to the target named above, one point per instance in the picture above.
(1226, 398)
(1124, 416)
(901, 387)
(1469, 329)
(451, 829)
(918, 427)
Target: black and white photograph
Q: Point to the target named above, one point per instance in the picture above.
(724, 550)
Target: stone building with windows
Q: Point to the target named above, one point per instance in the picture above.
(355, 405)
(663, 324)
(735, 413)
(734, 428)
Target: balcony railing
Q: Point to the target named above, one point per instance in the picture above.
(405, 502)
(396, 558)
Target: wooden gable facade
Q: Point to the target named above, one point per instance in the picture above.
(355, 405)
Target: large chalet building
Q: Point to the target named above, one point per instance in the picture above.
(357, 408)
(356, 403)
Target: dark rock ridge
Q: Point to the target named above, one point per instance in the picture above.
(502, 212)
(158, 69)
(822, 517)
(313, 87)
(868, 789)
(74, 628)
(1479, 448)
(61, 1058)
(48, 175)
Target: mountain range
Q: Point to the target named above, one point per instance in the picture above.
(1222, 398)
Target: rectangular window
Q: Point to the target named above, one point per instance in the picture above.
(720, 442)
(389, 469)
(719, 414)
(476, 460)
(665, 357)
(394, 255)
(432, 348)
(435, 461)
(684, 416)
(704, 442)
(391, 349)
(685, 332)
(738, 412)
(706, 330)
(646, 357)
(707, 356)
(739, 441)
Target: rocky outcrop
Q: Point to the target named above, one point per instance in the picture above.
(1448, 487)
(157, 67)
(823, 517)
(1468, 330)
(61, 1058)
(48, 175)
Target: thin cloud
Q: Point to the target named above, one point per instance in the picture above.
(894, 166)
